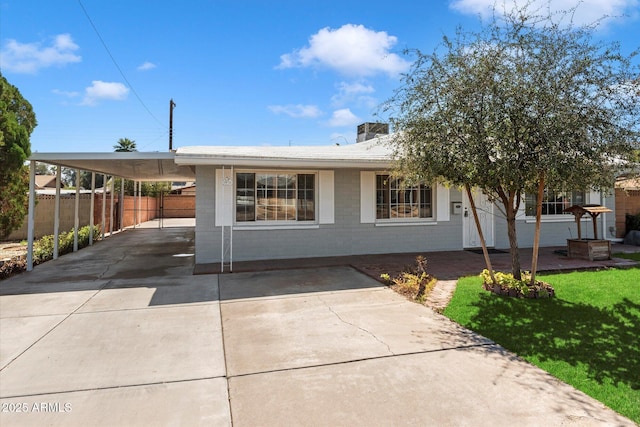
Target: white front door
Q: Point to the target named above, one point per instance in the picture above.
(470, 236)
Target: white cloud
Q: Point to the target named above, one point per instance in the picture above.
(587, 12)
(354, 92)
(30, 57)
(145, 66)
(68, 94)
(343, 118)
(296, 111)
(104, 90)
(351, 50)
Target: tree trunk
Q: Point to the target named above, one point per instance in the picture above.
(513, 242)
(536, 238)
(487, 260)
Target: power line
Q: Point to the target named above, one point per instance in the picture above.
(118, 66)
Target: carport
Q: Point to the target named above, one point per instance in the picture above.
(135, 166)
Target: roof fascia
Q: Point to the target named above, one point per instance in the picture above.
(128, 155)
(281, 162)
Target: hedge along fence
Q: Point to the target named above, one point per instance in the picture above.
(43, 249)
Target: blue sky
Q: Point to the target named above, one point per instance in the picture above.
(266, 73)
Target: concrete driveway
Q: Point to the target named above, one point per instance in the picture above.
(122, 334)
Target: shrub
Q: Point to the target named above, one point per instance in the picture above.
(13, 266)
(632, 222)
(43, 247)
(506, 284)
(414, 282)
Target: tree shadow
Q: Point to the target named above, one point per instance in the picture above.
(604, 340)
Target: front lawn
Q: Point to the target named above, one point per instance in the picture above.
(635, 256)
(587, 336)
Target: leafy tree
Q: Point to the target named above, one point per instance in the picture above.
(68, 177)
(152, 189)
(17, 121)
(521, 104)
(125, 144)
(85, 180)
(44, 169)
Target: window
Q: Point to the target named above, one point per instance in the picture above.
(268, 196)
(395, 200)
(554, 202)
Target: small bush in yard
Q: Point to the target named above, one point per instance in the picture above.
(13, 266)
(508, 285)
(632, 222)
(414, 283)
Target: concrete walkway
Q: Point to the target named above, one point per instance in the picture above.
(121, 333)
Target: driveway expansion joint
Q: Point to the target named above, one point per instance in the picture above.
(57, 324)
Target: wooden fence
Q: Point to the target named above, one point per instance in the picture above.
(169, 206)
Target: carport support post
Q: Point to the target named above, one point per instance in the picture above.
(136, 203)
(140, 201)
(31, 214)
(113, 190)
(135, 198)
(76, 217)
(121, 204)
(104, 204)
(56, 218)
(92, 206)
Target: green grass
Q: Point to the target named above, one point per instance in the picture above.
(587, 336)
(634, 256)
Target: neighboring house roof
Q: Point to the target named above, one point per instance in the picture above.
(629, 184)
(182, 185)
(52, 191)
(375, 152)
(45, 181)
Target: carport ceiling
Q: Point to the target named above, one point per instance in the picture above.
(130, 165)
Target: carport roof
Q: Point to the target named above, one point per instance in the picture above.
(140, 166)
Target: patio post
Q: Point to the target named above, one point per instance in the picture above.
(56, 218)
(31, 213)
(604, 216)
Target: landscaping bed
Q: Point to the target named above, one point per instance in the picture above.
(13, 254)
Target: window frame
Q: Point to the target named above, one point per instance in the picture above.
(418, 189)
(277, 222)
(554, 216)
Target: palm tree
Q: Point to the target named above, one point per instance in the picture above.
(125, 144)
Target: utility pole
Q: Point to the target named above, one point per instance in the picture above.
(171, 107)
